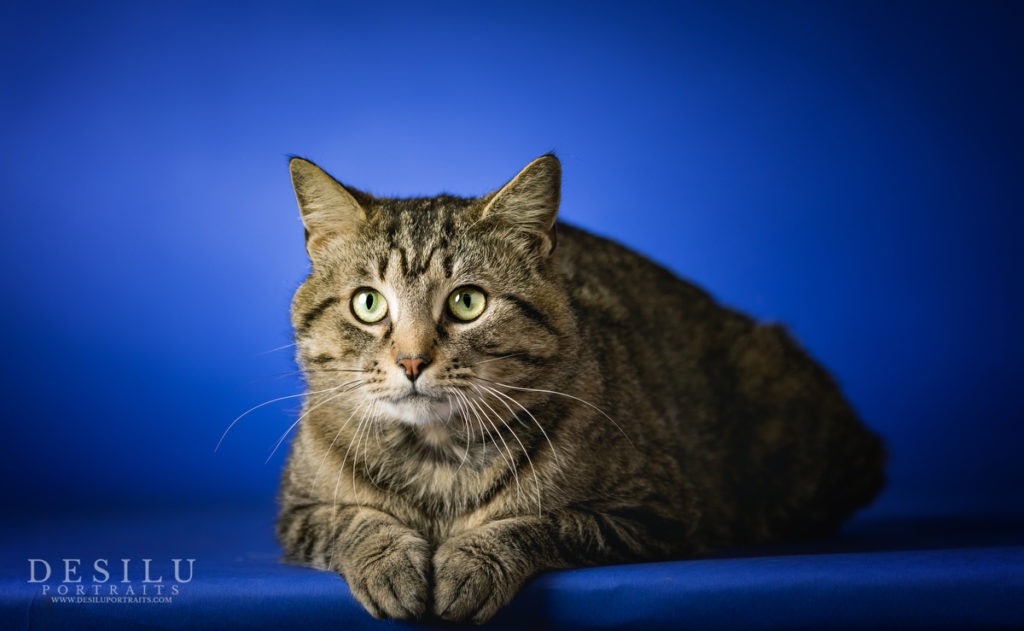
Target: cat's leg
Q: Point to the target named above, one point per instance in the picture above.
(477, 572)
(385, 563)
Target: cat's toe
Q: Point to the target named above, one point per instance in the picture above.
(393, 583)
(468, 587)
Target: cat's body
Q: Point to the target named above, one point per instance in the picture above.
(598, 410)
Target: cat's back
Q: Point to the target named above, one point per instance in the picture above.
(746, 411)
(586, 258)
(659, 343)
(618, 291)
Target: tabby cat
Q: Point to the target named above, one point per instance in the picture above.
(492, 394)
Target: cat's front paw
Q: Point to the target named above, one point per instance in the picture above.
(388, 573)
(472, 582)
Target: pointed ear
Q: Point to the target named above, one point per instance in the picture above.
(530, 201)
(328, 209)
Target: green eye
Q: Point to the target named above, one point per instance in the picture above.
(467, 303)
(369, 305)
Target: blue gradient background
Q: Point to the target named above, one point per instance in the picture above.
(851, 169)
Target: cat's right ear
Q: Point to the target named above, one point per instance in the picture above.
(328, 209)
(530, 201)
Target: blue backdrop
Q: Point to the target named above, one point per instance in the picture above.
(851, 169)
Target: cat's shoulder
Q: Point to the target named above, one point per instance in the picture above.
(603, 274)
(588, 256)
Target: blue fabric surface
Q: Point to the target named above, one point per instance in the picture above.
(879, 573)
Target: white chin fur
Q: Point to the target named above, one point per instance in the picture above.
(418, 411)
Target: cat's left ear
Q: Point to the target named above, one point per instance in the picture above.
(530, 201)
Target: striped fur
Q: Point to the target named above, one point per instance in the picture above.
(601, 410)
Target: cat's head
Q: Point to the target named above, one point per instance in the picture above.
(417, 308)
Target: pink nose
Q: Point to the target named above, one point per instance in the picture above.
(413, 365)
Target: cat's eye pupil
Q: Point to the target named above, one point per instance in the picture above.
(464, 299)
(369, 301)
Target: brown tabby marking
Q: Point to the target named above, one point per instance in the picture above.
(599, 410)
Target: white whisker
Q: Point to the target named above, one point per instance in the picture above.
(483, 438)
(355, 438)
(493, 359)
(469, 439)
(274, 350)
(469, 431)
(510, 460)
(305, 414)
(316, 477)
(256, 407)
(374, 422)
(337, 483)
(501, 395)
(526, 452)
(562, 394)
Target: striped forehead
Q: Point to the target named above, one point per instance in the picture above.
(417, 236)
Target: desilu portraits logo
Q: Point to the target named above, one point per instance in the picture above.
(126, 581)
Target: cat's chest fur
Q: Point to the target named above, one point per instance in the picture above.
(428, 476)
